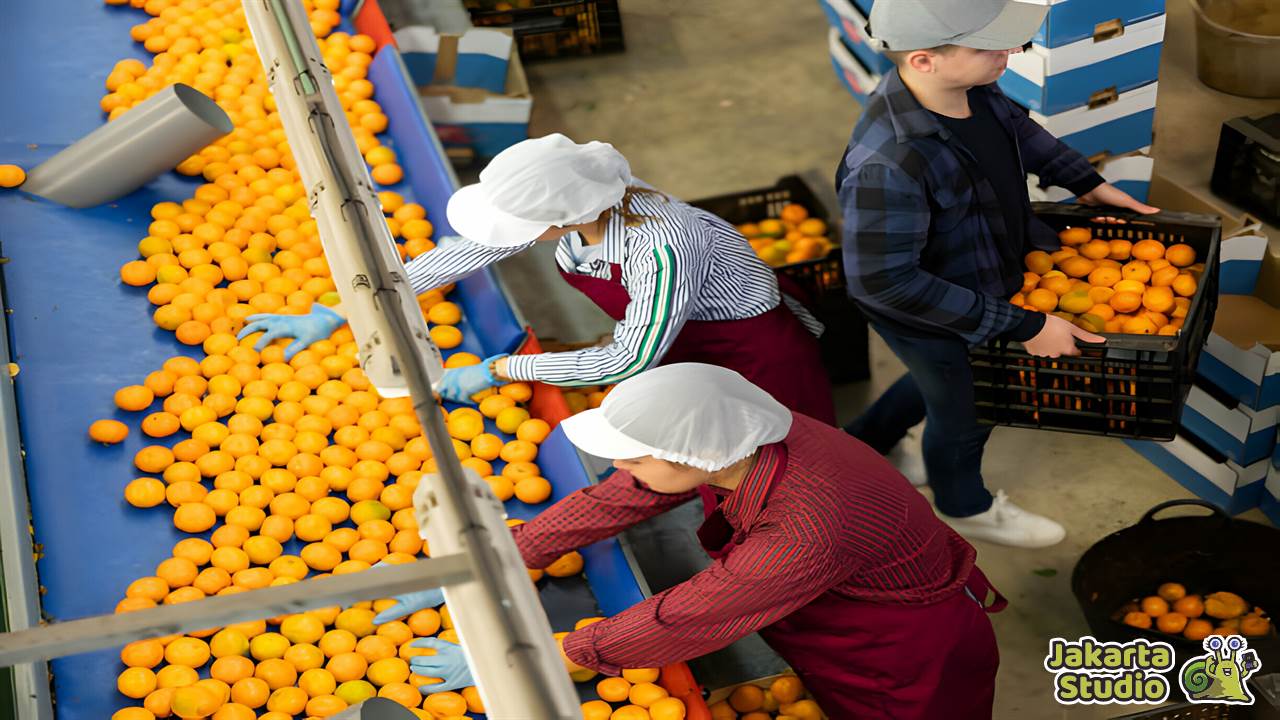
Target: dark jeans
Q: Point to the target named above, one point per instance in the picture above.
(937, 388)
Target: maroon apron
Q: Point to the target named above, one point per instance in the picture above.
(874, 660)
(773, 350)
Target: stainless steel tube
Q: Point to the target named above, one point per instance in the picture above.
(130, 151)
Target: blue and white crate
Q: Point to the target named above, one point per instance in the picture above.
(1121, 126)
(1073, 20)
(1242, 434)
(1053, 80)
(856, 77)
(476, 59)
(852, 24)
(1225, 483)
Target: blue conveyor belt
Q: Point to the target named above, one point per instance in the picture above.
(78, 334)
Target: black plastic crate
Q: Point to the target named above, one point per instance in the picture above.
(555, 28)
(1133, 386)
(819, 283)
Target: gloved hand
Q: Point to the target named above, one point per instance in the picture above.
(304, 329)
(410, 603)
(449, 664)
(459, 384)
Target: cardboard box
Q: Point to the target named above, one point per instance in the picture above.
(1209, 476)
(1244, 242)
(476, 59)
(856, 77)
(1118, 125)
(1131, 173)
(485, 122)
(1053, 80)
(852, 24)
(1240, 433)
(1069, 22)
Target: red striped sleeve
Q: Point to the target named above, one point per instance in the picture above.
(763, 580)
(590, 515)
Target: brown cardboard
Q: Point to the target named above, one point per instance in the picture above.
(1242, 320)
(1169, 195)
(1246, 320)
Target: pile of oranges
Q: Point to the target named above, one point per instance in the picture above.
(783, 698)
(633, 696)
(1114, 286)
(790, 238)
(1175, 612)
(260, 455)
(586, 398)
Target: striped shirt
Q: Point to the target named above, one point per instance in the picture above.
(681, 264)
(839, 519)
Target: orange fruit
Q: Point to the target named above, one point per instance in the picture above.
(1095, 249)
(533, 490)
(231, 669)
(188, 652)
(613, 689)
(134, 397)
(1058, 284)
(1180, 255)
(646, 693)
(1184, 284)
(518, 391)
(786, 689)
(746, 698)
(108, 432)
(136, 682)
(1189, 605)
(1139, 326)
(1126, 301)
(1154, 606)
(1163, 277)
(177, 572)
(1137, 271)
(1104, 277)
(1172, 623)
(1077, 266)
(1138, 619)
(1039, 262)
(1149, 250)
(1075, 236)
(1197, 630)
(194, 517)
(1158, 299)
(445, 704)
(347, 666)
(667, 708)
(144, 492)
(1120, 250)
(1043, 300)
(276, 673)
(142, 654)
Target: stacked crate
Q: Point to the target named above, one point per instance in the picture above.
(1090, 77)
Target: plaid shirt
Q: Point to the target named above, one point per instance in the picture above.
(818, 513)
(922, 225)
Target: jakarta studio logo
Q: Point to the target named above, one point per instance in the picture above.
(1092, 672)
(1219, 675)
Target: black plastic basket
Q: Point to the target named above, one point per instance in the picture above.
(551, 29)
(1133, 386)
(819, 284)
(1205, 553)
(1189, 711)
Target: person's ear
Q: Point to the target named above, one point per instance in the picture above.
(921, 61)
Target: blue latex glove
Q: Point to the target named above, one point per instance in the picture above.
(459, 384)
(449, 664)
(319, 324)
(410, 603)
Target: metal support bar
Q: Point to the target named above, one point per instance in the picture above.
(106, 631)
(21, 602)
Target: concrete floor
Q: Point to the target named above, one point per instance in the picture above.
(719, 96)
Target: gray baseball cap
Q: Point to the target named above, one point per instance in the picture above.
(979, 24)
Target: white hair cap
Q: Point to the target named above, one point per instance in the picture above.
(704, 416)
(536, 184)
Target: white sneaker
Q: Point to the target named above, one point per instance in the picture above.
(909, 461)
(1007, 524)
